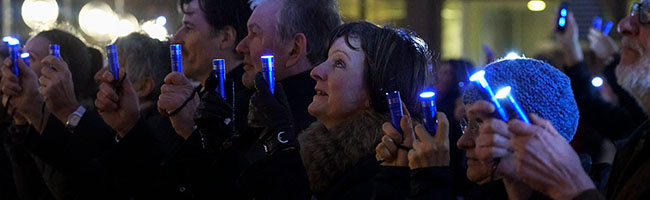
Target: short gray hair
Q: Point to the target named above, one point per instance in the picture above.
(314, 18)
(142, 57)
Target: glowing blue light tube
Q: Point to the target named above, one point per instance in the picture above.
(55, 50)
(504, 93)
(608, 27)
(268, 71)
(13, 55)
(176, 57)
(113, 64)
(479, 77)
(395, 108)
(428, 102)
(219, 67)
(25, 57)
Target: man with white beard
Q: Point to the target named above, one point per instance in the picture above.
(549, 165)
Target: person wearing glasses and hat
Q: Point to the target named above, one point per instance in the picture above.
(550, 166)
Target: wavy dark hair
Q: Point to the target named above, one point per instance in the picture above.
(395, 59)
(222, 13)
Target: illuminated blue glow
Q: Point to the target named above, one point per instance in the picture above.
(503, 92)
(176, 54)
(479, 77)
(608, 27)
(113, 64)
(268, 71)
(395, 108)
(11, 40)
(161, 20)
(24, 55)
(219, 66)
(512, 55)
(562, 22)
(597, 82)
(427, 94)
(563, 12)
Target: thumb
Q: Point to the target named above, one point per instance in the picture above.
(176, 78)
(57, 63)
(261, 85)
(25, 72)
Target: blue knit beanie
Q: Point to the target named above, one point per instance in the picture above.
(539, 88)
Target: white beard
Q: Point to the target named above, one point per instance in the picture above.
(635, 78)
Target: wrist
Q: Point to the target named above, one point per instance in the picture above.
(123, 131)
(64, 112)
(570, 190)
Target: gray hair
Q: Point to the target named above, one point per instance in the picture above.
(144, 57)
(314, 18)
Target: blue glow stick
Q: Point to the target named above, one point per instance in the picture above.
(428, 101)
(268, 71)
(14, 54)
(219, 67)
(608, 27)
(10, 40)
(113, 64)
(597, 23)
(55, 50)
(479, 78)
(25, 57)
(395, 107)
(176, 57)
(504, 93)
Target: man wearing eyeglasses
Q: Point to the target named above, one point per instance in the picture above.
(541, 161)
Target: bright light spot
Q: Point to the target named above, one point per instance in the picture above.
(427, 94)
(536, 5)
(597, 81)
(40, 14)
(127, 24)
(563, 12)
(154, 30)
(477, 76)
(24, 55)
(512, 55)
(562, 21)
(10, 40)
(98, 20)
(503, 92)
(266, 56)
(162, 20)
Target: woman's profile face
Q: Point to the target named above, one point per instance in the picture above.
(340, 88)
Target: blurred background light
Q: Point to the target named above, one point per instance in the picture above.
(536, 5)
(597, 81)
(98, 20)
(155, 30)
(162, 20)
(40, 14)
(127, 24)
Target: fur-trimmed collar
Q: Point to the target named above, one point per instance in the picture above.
(327, 154)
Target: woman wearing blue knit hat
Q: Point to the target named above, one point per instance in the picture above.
(538, 88)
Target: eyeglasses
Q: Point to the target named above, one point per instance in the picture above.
(471, 126)
(642, 10)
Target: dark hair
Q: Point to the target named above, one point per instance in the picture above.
(144, 57)
(83, 62)
(314, 18)
(222, 13)
(396, 59)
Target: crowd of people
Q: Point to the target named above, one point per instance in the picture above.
(73, 129)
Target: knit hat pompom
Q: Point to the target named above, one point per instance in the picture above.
(538, 87)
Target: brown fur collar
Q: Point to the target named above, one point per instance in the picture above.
(327, 154)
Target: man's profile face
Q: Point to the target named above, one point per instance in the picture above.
(199, 43)
(261, 40)
(633, 71)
